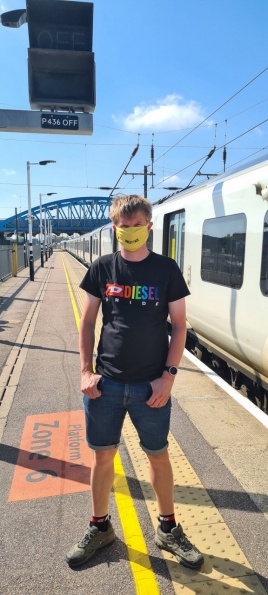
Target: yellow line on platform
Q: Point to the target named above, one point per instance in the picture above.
(144, 578)
(75, 309)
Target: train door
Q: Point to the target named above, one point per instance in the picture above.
(176, 237)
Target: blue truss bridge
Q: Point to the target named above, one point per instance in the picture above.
(70, 215)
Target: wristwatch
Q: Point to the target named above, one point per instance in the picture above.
(172, 370)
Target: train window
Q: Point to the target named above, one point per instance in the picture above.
(94, 246)
(223, 250)
(176, 237)
(97, 246)
(87, 245)
(264, 260)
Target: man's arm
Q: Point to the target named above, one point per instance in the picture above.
(177, 313)
(89, 380)
(162, 386)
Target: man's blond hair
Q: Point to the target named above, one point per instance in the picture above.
(127, 206)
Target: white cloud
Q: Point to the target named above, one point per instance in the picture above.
(258, 131)
(9, 172)
(2, 8)
(172, 180)
(170, 113)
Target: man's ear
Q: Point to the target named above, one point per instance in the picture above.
(114, 227)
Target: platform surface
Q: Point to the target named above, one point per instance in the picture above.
(219, 455)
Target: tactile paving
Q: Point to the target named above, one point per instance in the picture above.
(225, 568)
(248, 585)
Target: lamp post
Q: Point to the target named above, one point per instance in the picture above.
(41, 227)
(30, 223)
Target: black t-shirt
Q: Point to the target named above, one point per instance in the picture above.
(133, 344)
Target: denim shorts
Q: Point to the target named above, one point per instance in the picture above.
(105, 416)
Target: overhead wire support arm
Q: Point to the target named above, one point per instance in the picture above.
(134, 152)
(152, 159)
(198, 173)
(206, 175)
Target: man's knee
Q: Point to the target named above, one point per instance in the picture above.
(104, 457)
(157, 460)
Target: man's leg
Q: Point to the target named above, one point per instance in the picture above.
(152, 425)
(104, 420)
(102, 477)
(100, 532)
(168, 536)
(161, 477)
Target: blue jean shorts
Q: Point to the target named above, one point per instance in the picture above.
(105, 416)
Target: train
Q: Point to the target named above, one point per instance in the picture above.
(217, 231)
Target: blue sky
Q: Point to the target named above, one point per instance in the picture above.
(162, 67)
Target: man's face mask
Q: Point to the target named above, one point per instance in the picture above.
(132, 238)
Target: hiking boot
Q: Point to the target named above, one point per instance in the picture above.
(177, 543)
(89, 544)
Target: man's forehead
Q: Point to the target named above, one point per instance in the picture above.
(136, 218)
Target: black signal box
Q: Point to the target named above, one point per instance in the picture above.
(61, 64)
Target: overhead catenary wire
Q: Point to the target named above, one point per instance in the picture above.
(214, 112)
(189, 185)
(244, 158)
(23, 140)
(205, 119)
(170, 147)
(217, 149)
(134, 152)
(132, 131)
(224, 154)
(157, 167)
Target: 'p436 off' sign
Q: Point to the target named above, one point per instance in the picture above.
(53, 458)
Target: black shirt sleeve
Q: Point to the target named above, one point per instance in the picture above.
(91, 283)
(177, 287)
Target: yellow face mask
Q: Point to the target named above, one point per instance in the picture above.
(132, 238)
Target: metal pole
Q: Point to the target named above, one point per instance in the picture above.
(46, 234)
(145, 181)
(31, 263)
(51, 236)
(41, 232)
(24, 250)
(49, 239)
(17, 233)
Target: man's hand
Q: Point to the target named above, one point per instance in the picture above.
(89, 383)
(161, 391)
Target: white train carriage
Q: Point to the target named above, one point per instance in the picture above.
(218, 233)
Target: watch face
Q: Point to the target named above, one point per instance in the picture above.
(173, 370)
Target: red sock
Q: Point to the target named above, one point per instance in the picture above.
(167, 522)
(101, 522)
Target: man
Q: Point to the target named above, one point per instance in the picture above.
(135, 370)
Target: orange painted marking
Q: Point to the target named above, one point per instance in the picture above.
(54, 458)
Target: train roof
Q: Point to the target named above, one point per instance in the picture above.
(215, 179)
